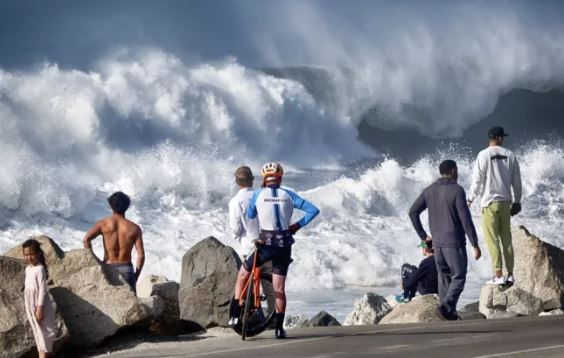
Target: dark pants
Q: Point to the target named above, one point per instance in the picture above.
(452, 265)
(407, 271)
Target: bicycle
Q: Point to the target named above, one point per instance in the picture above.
(258, 289)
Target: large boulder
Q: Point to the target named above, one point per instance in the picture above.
(168, 322)
(209, 272)
(155, 305)
(368, 310)
(539, 268)
(16, 336)
(323, 319)
(499, 301)
(86, 290)
(419, 309)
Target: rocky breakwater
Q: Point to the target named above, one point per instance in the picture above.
(93, 299)
(539, 274)
(209, 272)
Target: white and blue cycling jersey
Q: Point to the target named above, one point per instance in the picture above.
(274, 207)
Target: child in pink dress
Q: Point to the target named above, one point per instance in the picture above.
(38, 305)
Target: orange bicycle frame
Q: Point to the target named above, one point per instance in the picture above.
(254, 276)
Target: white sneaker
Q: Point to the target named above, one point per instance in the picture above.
(510, 280)
(496, 281)
(233, 321)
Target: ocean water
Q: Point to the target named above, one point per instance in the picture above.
(171, 134)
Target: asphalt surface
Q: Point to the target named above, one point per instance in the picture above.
(517, 337)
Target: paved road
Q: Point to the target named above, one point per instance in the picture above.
(520, 337)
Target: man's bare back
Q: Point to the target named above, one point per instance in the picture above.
(119, 235)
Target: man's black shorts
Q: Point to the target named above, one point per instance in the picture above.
(277, 248)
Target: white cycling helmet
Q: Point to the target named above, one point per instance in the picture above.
(272, 171)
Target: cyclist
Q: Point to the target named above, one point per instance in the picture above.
(274, 206)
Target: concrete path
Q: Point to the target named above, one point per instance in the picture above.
(518, 337)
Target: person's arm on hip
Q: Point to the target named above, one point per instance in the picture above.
(93, 233)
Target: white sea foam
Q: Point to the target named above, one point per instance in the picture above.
(361, 237)
(170, 135)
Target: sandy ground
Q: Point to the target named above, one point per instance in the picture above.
(131, 342)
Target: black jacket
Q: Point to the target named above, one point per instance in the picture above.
(425, 279)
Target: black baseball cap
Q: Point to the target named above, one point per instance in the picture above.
(497, 132)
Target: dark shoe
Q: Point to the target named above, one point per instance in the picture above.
(280, 334)
(446, 315)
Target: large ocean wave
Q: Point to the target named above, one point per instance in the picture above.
(170, 134)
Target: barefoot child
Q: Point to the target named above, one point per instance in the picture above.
(38, 305)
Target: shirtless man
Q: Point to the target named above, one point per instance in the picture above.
(119, 236)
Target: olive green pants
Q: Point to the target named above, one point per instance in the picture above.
(496, 222)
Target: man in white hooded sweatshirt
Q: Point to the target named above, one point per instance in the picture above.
(497, 171)
(245, 230)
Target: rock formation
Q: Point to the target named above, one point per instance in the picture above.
(539, 268)
(209, 272)
(168, 321)
(419, 309)
(93, 299)
(496, 300)
(368, 310)
(323, 319)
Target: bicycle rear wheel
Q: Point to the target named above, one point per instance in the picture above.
(260, 317)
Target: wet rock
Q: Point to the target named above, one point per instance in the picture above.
(368, 310)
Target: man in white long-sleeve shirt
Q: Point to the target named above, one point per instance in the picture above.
(497, 171)
(245, 230)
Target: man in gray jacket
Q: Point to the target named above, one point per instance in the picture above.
(450, 222)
